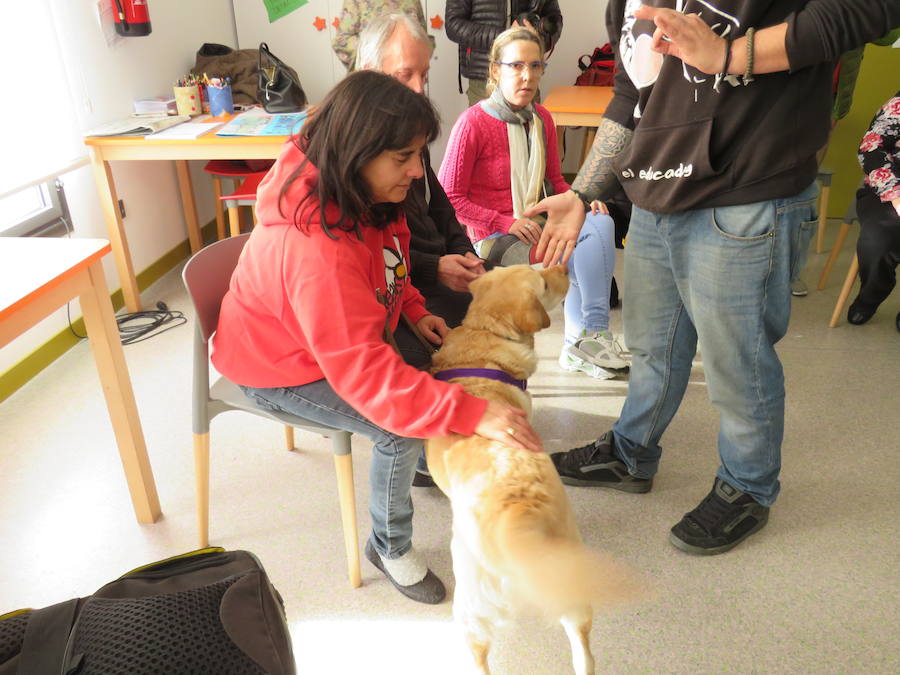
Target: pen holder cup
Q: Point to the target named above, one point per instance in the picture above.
(220, 101)
(187, 100)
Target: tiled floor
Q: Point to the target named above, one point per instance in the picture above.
(815, 592)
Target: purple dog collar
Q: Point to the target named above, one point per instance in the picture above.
(489, 373)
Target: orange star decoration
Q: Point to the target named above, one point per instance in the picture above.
(319, 23)
(336, 23)
(437, 22)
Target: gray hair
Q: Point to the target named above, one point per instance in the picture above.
(369, 49)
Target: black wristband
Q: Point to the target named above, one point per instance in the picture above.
(581, 196)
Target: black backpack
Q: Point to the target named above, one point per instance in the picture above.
(208, 611)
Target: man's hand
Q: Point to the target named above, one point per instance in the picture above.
(686, 37)
(456, 271)
(565, 216)
(433, 328)
(526, 230)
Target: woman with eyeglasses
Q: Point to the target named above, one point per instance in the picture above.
(501, 159)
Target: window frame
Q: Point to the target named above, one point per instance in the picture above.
(50, 221)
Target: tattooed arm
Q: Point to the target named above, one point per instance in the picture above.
(596, 180)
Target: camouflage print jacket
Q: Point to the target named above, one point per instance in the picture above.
(356, 14)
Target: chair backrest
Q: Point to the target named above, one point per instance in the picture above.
(207, 276)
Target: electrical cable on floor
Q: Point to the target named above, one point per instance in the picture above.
(139, 326)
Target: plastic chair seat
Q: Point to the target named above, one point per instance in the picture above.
(227, 168)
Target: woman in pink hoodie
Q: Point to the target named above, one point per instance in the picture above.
(322, 276)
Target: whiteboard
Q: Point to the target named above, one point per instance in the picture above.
(296, 40)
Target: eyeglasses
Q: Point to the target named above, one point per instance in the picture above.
(520, 66)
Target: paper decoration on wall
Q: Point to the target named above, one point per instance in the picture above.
(280, 8)
(319, 23)
(336, 23)
(437, 22)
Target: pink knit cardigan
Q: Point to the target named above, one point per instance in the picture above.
(475, 171)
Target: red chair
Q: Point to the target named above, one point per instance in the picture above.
(244, 195)
(234, 169)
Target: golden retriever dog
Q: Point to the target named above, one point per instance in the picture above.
(515, 543)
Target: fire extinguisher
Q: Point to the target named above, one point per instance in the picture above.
(132, 17)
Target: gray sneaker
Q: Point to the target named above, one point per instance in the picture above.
(799, 288)
(601, 349)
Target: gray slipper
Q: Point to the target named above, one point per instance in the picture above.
(429, 591)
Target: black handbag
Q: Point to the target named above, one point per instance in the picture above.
(208, 611)
(279, 88)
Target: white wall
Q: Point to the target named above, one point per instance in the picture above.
(105, 81)
(294, 39)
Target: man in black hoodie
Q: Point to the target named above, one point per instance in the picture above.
(718, 112)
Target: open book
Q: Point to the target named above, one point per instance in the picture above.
(137, 125)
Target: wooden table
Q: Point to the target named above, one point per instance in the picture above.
(578, 107)
(37, 276)
(106, 149)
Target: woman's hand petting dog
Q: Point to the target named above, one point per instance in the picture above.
(433, 328)
(509, 426)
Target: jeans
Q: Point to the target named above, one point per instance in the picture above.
(590, 277)
(393, 457)
(721, 276)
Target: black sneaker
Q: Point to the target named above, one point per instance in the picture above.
(595, 465)
(422, 479)
(723, 520)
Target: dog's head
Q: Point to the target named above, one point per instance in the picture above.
(514, 301)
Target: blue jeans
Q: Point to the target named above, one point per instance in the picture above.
(590, 277)
(393, 457)
(721, 276)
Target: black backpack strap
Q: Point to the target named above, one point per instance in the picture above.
(44, 644)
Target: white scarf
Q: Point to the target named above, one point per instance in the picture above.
(527, 153)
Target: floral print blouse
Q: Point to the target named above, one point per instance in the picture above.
(879, 151)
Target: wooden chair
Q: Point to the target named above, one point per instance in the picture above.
(824, 178)
(206, 277)
(850, 217)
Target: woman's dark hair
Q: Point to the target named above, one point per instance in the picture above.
(365, 114)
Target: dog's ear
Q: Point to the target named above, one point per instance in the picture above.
(532, 315)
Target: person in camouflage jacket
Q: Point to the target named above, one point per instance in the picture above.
(356, 14)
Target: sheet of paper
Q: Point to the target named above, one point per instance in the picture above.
(186, 130)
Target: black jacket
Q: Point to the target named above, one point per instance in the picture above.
(695, 147)
(475, 24)
(434, 230)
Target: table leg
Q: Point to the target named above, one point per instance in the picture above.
(589, 134)
(560, 142)
(113, 371)
(187, 203)
(109, 204)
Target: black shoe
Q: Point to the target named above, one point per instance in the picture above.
(858, 313)
(723, 520)
(421, 479)
(613, 294)
(429, 591)
(596, 465)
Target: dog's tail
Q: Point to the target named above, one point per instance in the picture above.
(555, 574)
